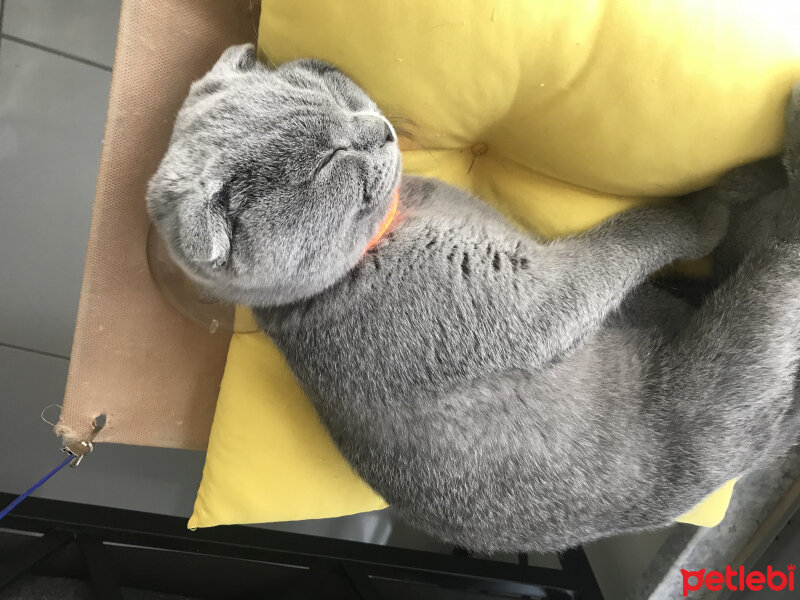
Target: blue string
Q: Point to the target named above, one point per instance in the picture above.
(34, 487)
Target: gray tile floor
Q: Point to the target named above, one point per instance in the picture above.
(55, 71)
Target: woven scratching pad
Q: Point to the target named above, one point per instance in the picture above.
(154, 373)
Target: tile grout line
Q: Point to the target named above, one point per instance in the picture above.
(84, 61)
(2, 12)
(63, 55)
(32, 351)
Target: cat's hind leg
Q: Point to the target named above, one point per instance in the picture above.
(732, 373)
(727, 383)
(764, 198)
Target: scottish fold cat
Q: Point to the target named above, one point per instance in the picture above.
(501, 392)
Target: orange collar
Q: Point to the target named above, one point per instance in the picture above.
(387, 220)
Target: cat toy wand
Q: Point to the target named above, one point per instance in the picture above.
(75, 451)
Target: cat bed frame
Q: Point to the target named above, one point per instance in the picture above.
(119, 548)
(154, 373)
(151, 371)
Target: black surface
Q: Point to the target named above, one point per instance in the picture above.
(157, 552)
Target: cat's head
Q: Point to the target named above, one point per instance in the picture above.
(275, 179)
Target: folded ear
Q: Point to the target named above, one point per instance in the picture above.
(238, 58)
(205, 228)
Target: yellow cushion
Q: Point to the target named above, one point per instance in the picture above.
(271, 459)
(560, 113)
(711, 511)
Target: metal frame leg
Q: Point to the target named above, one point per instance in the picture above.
(309, 585)
(358, 578)
(577, 564)
(30, 554)
(102, 582)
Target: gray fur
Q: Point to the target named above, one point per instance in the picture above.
(252, 197)
(502, 393)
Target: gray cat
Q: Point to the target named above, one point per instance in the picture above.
(501, 393)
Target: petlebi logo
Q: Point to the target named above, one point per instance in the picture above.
(738, 580)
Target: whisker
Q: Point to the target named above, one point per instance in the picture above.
(398, 118)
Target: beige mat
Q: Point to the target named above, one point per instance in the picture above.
(151, 371)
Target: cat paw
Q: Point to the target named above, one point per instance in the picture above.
(793, 112)
(791, 156)
(707, 225)
(748, 182)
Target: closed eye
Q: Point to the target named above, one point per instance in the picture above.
(329, 157)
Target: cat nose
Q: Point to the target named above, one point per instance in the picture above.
(373, 132)
(390, 136)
